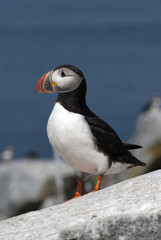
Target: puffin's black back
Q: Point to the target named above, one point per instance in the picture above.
(105, 138)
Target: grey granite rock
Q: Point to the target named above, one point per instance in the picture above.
(130, 210)
(29, 185)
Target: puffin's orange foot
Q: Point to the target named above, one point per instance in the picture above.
(97, 187)
(77, 194)
(94, 190)
(78, 191)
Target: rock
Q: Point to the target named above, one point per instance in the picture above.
(130, 210)
(31, 185)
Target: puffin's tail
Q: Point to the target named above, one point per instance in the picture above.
(136, 162)
(131, 146)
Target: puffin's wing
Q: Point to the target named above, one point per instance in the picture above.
(131, 146)
(109, 142)
(105, 137)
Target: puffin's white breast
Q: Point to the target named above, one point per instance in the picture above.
(70, 135)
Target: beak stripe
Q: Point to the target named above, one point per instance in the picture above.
(44, 84)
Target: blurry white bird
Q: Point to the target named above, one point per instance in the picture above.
(148, 127)
(7, 154)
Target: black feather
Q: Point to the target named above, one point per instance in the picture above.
(109, 142)
(131, 146)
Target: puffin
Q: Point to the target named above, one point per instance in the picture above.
(79, 136)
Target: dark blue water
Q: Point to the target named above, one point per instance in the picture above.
(117, 44)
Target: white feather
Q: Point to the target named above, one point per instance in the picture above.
(68, 83)
(70, 135)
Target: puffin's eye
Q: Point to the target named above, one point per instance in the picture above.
(63, 74)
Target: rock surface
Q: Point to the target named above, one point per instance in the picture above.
(130, 210)
(29, 185)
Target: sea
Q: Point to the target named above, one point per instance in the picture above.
(117, 45)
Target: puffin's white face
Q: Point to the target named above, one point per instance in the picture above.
(61, 80)
(65, 80)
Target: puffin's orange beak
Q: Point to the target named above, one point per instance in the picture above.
(44, 85)
(40, 84)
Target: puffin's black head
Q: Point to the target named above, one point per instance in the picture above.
(65, 78)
